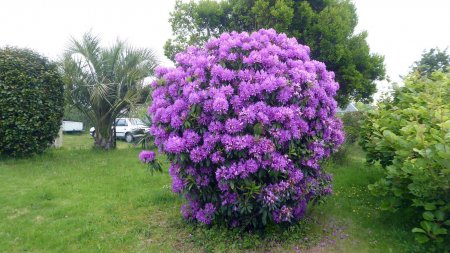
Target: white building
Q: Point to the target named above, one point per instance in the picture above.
(350, 108)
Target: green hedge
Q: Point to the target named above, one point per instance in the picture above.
(409, 134)
(31, 102)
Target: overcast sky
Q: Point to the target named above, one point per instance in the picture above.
(398, 29)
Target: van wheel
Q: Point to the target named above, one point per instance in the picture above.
(129, 137)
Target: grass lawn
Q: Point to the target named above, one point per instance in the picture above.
(76, 199)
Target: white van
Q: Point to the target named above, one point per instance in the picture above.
(72, 126)
(128, 129)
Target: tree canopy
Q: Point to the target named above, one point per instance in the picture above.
(105, 82)
(432, 60)
(326, 26)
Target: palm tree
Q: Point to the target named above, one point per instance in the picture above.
(104, 82)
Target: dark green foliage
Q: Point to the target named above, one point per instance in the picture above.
(409, 135)
(31, 102)
(326, 26)
(432, 60)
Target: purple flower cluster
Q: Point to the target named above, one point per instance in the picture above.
(147, 156)
(246, 119)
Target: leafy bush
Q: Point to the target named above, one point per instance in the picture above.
(146, 140)
(352, 126)
(409, 135)
(245, 121)
(31, 102)
(340, 157)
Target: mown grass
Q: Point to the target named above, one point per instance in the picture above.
(77, 199)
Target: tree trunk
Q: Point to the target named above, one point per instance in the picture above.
(104, 137)
(103, 143)
(114, 133)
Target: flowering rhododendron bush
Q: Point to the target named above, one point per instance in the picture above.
(245, 121)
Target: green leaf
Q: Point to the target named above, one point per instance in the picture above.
(258, 129)
(440, 215)
(440, 231)
(264, 217)
(426, 225)
(418, 230)
(421, 238)
(430, 206)
(429, 216)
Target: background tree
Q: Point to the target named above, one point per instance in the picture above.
(103, 83)
(326, 26)
(432, 60)
(31, 102)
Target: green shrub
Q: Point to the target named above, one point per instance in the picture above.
(31, 102)
(352, 125)
(409, 134)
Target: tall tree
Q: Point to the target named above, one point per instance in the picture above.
(104, 82)
(326, 26)
(432, 60)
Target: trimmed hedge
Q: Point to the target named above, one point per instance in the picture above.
(31, 102)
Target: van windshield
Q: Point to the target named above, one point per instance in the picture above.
(136, 121)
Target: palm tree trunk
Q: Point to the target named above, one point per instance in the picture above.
(104, 143)
(114, 134)
(104, 138)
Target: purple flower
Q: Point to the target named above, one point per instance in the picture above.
(177, 184)
(215, 127)
(283, 215)
(216, 158)
(269, 198)
(194, 98)
(251, 166)
(233, 126)
(191, 138)
(229, 198)
(300, 209)
(247, 115)
(205, 215)
(220, 105)
(280, 162)
(262, 146)
(147, 156)
(233, 171)
(174, 145)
